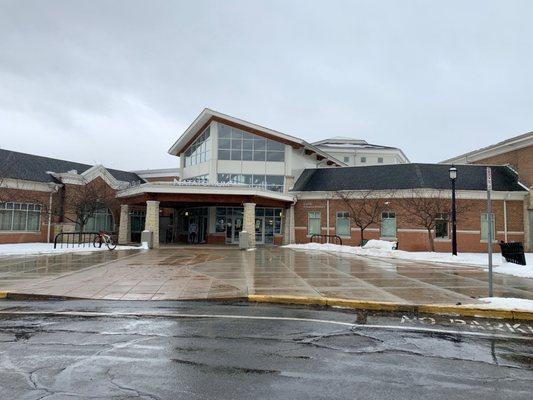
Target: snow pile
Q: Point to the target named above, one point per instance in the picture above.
(48, 248)
(379, 244)
(383, 249)
(504, 303)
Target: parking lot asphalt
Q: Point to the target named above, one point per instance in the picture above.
(204, 350)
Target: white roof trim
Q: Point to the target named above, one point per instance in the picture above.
(158, 173)
(207, 113)
(514, 143)
(220, 190)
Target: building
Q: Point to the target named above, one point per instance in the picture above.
(33, 190)
(517, 153)
(357, 152)
(237, 176)
(321, 210)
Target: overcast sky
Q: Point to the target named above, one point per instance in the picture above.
(116, 82)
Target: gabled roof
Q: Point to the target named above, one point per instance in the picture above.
(207, 115)
(34, 168)
(514, 143)
(406, 176)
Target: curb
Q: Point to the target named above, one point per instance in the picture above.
(395, 307)
(439, 309)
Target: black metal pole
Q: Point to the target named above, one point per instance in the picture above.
(454, 221)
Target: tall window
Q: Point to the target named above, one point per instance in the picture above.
(20, 217)
(313, 223)
(485, 226)
(101, 221)
(200, 150)
(388, 224)
(441, 226)
(234, 144)
(342, 223)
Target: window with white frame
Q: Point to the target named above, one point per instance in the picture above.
(346, 159)
(441, 226)
(388, 224)
(342, 223)
(235, 144)
(485, 226)
(20, 217)
(200, 150)
(363, 160)
(314, 223)
(380, 160)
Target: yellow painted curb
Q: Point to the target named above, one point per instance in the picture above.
(368, 305)
(394, 307)
(465, 311)
(3, 295)
(259, 298)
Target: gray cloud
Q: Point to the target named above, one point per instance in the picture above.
(115, 82)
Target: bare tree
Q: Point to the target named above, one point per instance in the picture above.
(5, 167)
(82, 202)
(365, 207)
(424, 208)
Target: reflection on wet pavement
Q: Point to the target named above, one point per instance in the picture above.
(208, 273)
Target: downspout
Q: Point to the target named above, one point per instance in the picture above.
(54, 190)
(505, 217)
(327, 220)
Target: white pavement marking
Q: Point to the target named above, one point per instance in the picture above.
(264, 318)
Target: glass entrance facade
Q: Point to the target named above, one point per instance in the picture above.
(267, 223)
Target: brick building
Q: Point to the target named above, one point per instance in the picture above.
(33, 191)
(322, 209)
(236, 176)
(517, 153)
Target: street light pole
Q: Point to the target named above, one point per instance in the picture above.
(453, 177)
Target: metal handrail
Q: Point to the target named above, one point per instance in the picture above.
(323, 237)
(79, 239)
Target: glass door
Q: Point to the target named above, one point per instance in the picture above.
(259, 229)
(269, 230)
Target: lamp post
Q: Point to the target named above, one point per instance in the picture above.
(453, 177)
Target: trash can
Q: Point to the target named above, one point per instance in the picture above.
(244, 240)
(513, 252)
(146, 239)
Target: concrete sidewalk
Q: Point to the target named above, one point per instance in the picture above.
(198, 273)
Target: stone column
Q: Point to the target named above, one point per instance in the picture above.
(285, 221)
(248, 224)
(152, 221)
(124, 227)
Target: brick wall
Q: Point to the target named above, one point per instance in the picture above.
(521, 160)
(413, 237)
(60, 219)
(28, 196)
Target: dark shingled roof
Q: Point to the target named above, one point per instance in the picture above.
(406, 176)
(29, 167)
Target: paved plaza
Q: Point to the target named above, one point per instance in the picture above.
(219, 272)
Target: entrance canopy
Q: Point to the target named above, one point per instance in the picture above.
(169, 194)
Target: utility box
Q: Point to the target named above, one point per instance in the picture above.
(147, 239)
(244, 240)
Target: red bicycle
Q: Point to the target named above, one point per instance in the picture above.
(104, 238)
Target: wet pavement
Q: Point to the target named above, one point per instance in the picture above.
(197, 350)
(218, 273)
